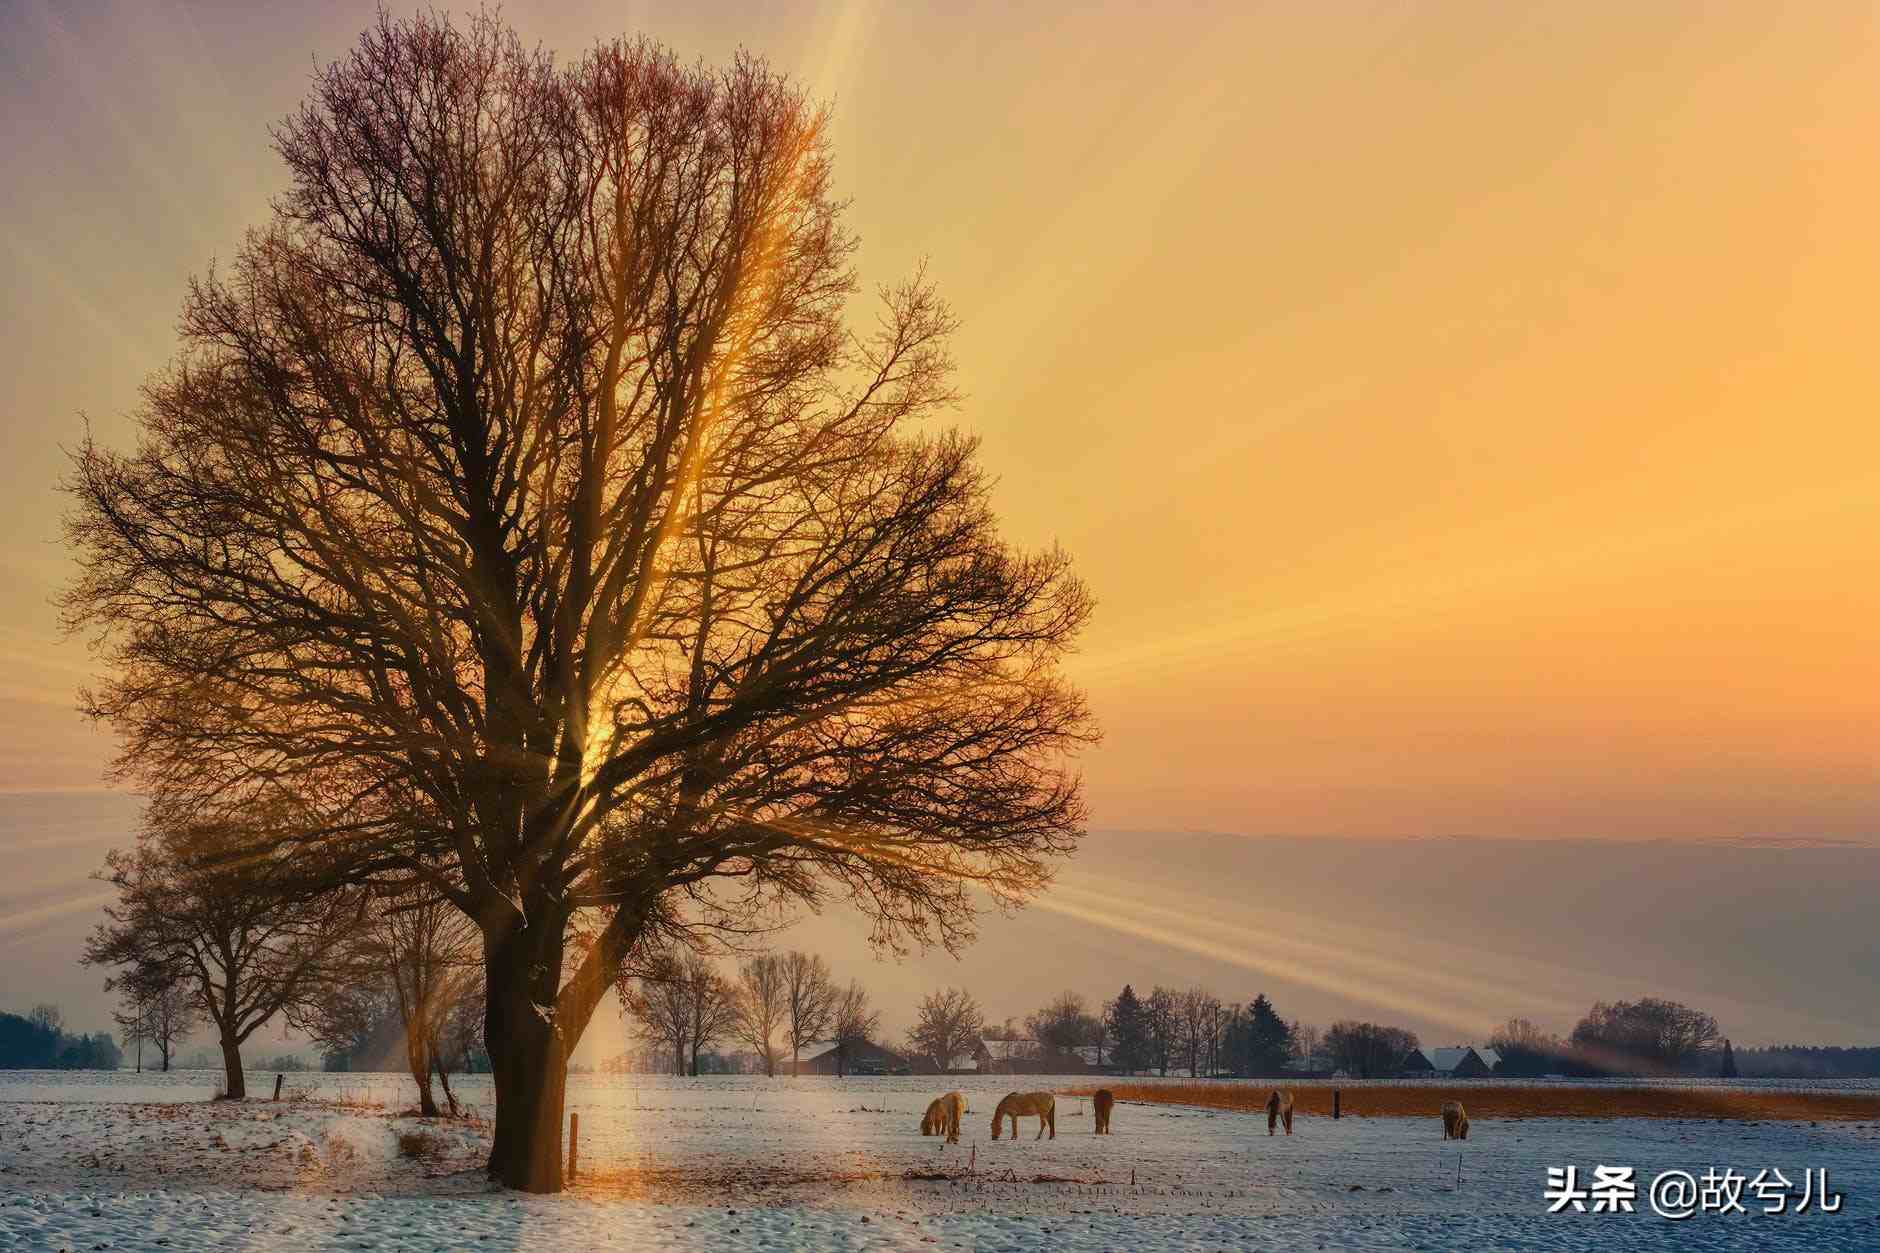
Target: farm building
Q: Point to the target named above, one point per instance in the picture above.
(826, 1057)
(1025, 1057)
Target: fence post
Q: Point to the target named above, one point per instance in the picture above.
(1334, 1104)
(277, 1086)
(574, 1144)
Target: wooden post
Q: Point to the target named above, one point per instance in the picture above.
(574, 1139)
(277, 1086)
(1334, 1104)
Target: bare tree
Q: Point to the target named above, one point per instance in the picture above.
(947, 1025)
(1216, 1017)
(1161, 1015)
(1367, 1049)
(187, 917)
(132, 1017)
(683, 1004)
(157, 1007)
(853, 1023)
(1065, 1024)
(712, 1006)
(1649, 1036)
(173, 1014)
(809, 1001)
(521, 493)
(417, 955)
(661, 1005)
(763, 1005)
(1305, 1042)
(1197, 1013)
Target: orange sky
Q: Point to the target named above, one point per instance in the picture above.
(1464, 414)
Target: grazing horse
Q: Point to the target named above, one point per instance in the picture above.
(1041, 1104)
(1279, 1110)
(1104, 1101)
(943, 1117)
(1455, 1121)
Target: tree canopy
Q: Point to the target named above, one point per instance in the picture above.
(523, 503)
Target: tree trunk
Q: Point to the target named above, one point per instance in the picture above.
(443, 1077)
(236, 1085)
(528, 1057)
(420, 1066)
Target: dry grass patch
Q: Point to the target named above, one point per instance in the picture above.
(418, 1145)
(1514, 1100)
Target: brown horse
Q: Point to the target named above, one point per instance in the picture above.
(1455, 1121)
(1042, 1105)
(1104, 1101)
(943, 1116)
(1279, 1109)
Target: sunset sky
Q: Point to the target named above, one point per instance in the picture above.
(1464, 413)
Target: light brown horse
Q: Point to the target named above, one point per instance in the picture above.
(1279, 1109)
(1455, 1121)
(1042, 1105)
(943, 1117)
(1104, 1101)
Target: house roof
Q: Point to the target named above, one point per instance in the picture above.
(820, 1048)
(1490, 1057)
(1006, 1050)
(1448, 1058)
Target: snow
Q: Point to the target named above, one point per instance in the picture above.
(749, 1163)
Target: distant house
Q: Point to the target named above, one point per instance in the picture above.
(1458, 1061)
(825, 1057)
(1020, 1056)
(1317, 1064)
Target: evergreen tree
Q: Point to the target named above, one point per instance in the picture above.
(1269, 1039)
(1128, 1031)
(1728, 1069)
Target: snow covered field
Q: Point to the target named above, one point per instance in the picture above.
(144, 1162)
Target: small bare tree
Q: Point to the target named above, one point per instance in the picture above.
(132, 1017)
(658, 1001)
(712, 1004)
(1161, 1017)
(1196, 1011)
(763, 1005)
(682, 1004)
(854, 1023)
(1065, 1024)
(216, 930)
(157, 1008)
(947, 1025)
(809, 1001)
(1305, 1043)
(416, 953)
(172, 1016)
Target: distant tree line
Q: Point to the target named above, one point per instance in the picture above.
(38, 1041)
(1806, 1061)
(1195, 1031)
(775, 1006)
(1649, 1036)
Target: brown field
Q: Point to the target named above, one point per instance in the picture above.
(1512, 1100)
